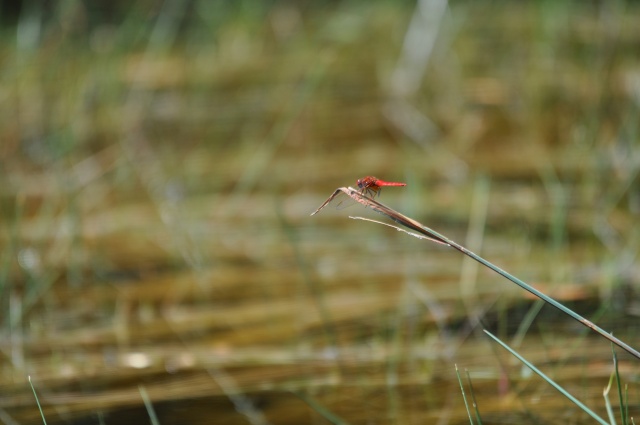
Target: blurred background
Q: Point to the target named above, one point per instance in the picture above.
(160, 159)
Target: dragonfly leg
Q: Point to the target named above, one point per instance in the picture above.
(372, 192)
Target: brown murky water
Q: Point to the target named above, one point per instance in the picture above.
(157, 243)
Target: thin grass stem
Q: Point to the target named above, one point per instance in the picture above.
(326, 413)
(626, 403)
(607, 402)
(148, 405)
(37, 401)
(437, 237)
(618, 383)
(464, 397)
(473, 398)
(549, 380)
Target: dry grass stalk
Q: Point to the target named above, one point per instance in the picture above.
(410, 223)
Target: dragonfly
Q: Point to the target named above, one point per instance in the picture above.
(372, 186)
(369, 185)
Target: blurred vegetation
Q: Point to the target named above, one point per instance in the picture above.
(159, 161)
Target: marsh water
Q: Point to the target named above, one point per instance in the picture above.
(159, 260)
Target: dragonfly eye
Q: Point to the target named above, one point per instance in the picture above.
(360, 183)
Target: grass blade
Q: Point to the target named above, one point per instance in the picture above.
(147, 403)
(549, 380)
(437, 237)
(616, 371)
(326, 413)
(37, 401)
(473, 398)
(626, 404)
(605, 394)
(464, 397)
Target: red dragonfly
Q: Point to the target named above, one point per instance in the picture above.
(369, 185)
(372, 186)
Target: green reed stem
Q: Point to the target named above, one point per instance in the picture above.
(437, 237)
(464, 397)
(37, 401)
(549, 380)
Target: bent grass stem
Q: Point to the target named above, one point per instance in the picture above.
(441, 239)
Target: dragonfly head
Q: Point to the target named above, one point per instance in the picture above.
(366, 182)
